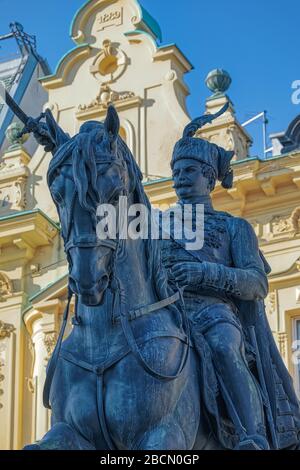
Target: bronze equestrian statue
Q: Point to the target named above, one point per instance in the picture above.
(171, 347)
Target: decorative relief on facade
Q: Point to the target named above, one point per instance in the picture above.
(271, 303)
(171, 76)
(237, 142)
(230, 138)
(105, 97)
(6, 289)
(295, 220)
(281, 225)
(109, 64)
(4, 167)
(12, 194)
(213, 138)
(282, 343)
(5, 331)
(49, 340)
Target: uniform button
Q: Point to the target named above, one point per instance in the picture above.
(98, 370)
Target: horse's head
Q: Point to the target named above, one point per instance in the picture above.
(85, 172)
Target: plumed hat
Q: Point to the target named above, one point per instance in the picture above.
(203, 151)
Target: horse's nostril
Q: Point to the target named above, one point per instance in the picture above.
(79, 287)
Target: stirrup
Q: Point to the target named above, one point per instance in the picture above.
(253, 442)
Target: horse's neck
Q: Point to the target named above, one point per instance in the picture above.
(133, 274)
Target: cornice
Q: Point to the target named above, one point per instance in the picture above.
(26, 231)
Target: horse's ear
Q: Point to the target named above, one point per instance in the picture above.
(112, 123)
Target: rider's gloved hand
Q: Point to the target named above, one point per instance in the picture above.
(188, 274)
(42, 136)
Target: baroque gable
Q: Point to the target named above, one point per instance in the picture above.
(118, 58)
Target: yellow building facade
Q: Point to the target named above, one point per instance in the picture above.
(117, 57)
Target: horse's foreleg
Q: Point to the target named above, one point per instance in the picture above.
(144, 412)
(61, 437)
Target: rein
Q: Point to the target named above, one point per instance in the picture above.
(126, 317)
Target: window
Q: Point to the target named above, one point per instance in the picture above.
(122, 133)
(296, 353)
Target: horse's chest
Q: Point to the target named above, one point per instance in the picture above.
(99, 340)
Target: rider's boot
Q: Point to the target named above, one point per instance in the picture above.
(253, 442)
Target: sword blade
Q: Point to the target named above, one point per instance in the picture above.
(5, 98)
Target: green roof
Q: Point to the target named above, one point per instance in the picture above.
(151, 23)
(30, 212)
(34, 296)
(28, 305)
(159, 180)
(79, 46)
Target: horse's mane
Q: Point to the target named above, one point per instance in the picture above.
(153, 248)
(80, 153)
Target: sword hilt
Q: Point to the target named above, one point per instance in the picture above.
(32, 125)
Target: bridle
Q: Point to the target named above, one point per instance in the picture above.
(119, 296)
(90, 241)
(83, 241)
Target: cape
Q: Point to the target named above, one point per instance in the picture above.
(281, 395)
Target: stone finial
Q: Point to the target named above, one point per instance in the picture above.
(13, 136)
(218, 81)
(224, 131)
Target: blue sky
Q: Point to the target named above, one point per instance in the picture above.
(256, 41)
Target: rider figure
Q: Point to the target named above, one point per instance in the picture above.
(227, 270)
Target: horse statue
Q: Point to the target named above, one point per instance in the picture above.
(126, 377)
(132, 375)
